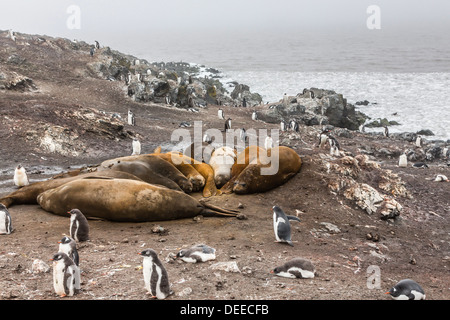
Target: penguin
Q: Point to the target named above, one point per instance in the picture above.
(403, 161)
(294, 125)
(386, 131)
(420, 165)
(283, 125)
(136, 144)
(296, 268)
(227, 124)
(12, 36)
(20, 177)
(311, 94)
(92, 51)
(243, 135)
(69, 247)
(97, 45)
(207, 138)
(156, 278)
(128, 78)
(407, 289)
(138, 77)
(419, 141)
(362, 128)
(197, 253)
(79, 227)
(66, 280)
(220, 114)
(244, 103)
(167, 99)
(268, 143)
(131, 118)
(334, 146)
(439, 178)
(5, 220)
(323, 138)
(281, 225)
(254, 116)
(445, 152)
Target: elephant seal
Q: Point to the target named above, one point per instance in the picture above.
(158, 165)
(222, 160)
(250, 180)
(143, 171)
(125, 200)
(28, 194)
(250, 154)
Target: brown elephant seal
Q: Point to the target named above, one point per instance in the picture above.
(251, 154)
(250, 180)
(159, 165)
(222, 160)
(28, 194)
(125, 200)
(143, 171)
(184, 164)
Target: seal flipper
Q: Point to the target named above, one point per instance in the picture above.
(212, 209)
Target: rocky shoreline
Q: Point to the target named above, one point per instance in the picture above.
(63, 108)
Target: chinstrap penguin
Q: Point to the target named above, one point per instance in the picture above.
(5, 220)
(282, 226)
(156, 278)
(295, 268)
(20, 177)
(136, 145)
(407, 289)
(66, 281)
(79, 227)
(198, 253)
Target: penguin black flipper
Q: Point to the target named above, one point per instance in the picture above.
(284, 232)
(293, 218)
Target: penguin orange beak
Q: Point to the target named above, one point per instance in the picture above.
(387, 292)
(271, 271)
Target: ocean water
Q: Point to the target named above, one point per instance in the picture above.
(404, 73)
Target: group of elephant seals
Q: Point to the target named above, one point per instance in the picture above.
(125, 200)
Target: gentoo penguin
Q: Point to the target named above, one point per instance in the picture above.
(156, 278)
(282, 226)
(92, 51)
(293, 125)
(167, 99)
(227, 124)
(268, 143)
(295, 268)
(439, 178)
(128, 78)
(136, 144)
(65, 275)
(131, 118)
(20, 177)
(386, 131)
(12, 36)
(79, 227)
(362, 128)
(207, 138)
(243, 135)
(254, 116)
(220, 114)
(403, 161)
(311, 94)
(420, 165)
(244, 103)
(283, 125)
(407, 289)
(69, 247)
(334, 146)
(323, 138)
(97, 45)
(5, 220)
(198, 253)
(419, 141)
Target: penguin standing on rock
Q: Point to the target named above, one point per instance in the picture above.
(79, 227)
(220, 114)
(198, 253)
(407, 289)
(20, 177)
(66, 280)
(254, 116)
(5, 220)
(97, 45)
(296, 268)
(136, 144)
(131, 118)
(283, 125)
(227, 124)
(268, 143)
(334, 146)
(69, 247)
(323, 138)
(243, 135)
(386, 132)
(156, 278)
(403, 161)
(281, 225)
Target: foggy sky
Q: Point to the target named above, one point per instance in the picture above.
(105, 18)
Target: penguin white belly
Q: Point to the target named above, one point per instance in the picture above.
(3, 222)
(285, 274)
(276, 222)
(59, 280)
(200, 256)
(20, 179)
(159, 294)
(147, 268)
(305, 273)
(418, 295)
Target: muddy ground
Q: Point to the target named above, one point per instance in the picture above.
(416, 245)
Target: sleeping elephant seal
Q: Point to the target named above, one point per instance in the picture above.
(222, 160)
(143, 171)
(125, 201)
(158, 165)
(28, 194)
(250, 180)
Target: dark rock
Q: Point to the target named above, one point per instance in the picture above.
(425, 132)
